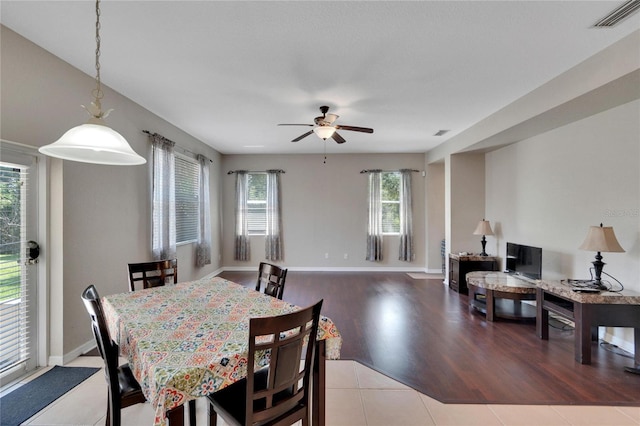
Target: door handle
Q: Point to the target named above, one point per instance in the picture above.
(33, 251)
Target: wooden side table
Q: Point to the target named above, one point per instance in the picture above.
(460, 265)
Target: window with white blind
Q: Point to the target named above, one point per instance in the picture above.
(257, 203)
(390, 191)
(187, 187)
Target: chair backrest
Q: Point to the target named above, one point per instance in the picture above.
(281, 385)
(153, 274)
(108, 350)
(272, 278)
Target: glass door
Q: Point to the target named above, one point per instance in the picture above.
(19, 252)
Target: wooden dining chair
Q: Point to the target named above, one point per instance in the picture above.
(280, 392)
(272, 279)
(123, 389)
(153, 274)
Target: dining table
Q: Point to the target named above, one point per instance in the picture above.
(188, 340)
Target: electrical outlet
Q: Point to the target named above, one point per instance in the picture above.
(346, 256)
(326, 255)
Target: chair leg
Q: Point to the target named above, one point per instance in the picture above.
(192, 412)
(213, 416)
(107, 421)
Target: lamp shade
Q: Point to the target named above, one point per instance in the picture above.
(324, 132)
(602, 239)
(93, 143)
(483, 228)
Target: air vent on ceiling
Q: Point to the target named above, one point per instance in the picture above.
(622, 12)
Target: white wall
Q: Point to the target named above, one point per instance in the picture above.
(547, 190)
(99, 215)
(324, 209)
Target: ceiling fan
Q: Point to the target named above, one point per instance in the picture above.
(325, 128)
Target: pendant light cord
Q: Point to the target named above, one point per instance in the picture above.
(97, 93)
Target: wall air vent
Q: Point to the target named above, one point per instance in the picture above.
(622, 12)
(440, 132)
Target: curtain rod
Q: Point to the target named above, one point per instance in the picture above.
(184, 150)
(230, 172)
(367, 171)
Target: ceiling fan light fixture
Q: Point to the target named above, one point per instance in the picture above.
(324, 132)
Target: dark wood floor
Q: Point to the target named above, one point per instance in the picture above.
(424, 335)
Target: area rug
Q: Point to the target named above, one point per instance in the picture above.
(424, 276)
(28, 399)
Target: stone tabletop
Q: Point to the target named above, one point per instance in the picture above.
(471, 257)
(564, 289)
(499, 281)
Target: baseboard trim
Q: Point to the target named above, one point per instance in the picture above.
(70, 356)
(332, 269)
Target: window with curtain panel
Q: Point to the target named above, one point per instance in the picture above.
(390, 212)
(258, 212)
(180, 202)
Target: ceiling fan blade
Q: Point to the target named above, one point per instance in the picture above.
(354, 128)
(302, 136)
(336, 137)
(296, 125)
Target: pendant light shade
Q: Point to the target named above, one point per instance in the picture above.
(93, 143)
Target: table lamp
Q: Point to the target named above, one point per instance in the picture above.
(483, 228)
(601, 239)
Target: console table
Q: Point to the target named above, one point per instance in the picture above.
(500, 295)
(587, 311)
(460, 265)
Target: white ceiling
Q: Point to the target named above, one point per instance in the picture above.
(227, 72)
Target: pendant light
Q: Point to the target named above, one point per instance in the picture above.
(94, 142)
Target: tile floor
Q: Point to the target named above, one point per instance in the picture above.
(356, 396)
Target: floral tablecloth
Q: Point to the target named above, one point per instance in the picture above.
(187, 340)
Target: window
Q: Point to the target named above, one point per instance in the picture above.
(187, 200)
(390, 195)
(257, 203)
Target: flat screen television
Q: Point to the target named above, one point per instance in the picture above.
(524, 260)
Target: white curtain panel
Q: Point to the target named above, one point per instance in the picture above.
(242, 251)
(163, 210)
(273, 239)
(374, 228)
(203, 247)
(406, 221)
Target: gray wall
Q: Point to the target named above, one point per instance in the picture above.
(99, 215)
(324, 209)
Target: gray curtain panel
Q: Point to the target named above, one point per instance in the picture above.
(406, 221)
(374, 228)
(203, 247)
(242, 251)
(163, 209)
(273, 238)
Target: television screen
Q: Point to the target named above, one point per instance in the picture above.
(524, 260)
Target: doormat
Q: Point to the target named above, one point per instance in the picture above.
(24, 402)
(424, 276)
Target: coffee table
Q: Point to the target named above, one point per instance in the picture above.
(498, 294)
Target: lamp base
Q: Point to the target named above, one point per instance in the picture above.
(484, 243)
